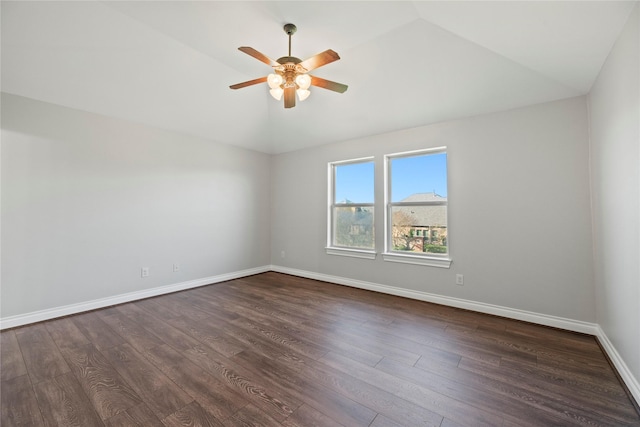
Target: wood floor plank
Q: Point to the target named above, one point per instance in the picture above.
(303, 335)
(175, 305)
(62, 402)
(583, 402)
(382, 421)
(160, 307)
(207, 390)
(66, 334)
(428, 342)
(603, 389)
(383, 401)
(596, 371)
(137, 416)
(335, 324)
(278, 350)
(307, 416)
(18, 403)
(427, 397)
(209, 332)
(250, 416)
(566, 342)
(307, 330)
(353, 336)
(11, 361)
(192, 415)
(156, 326)
(41, 355)
(344, 410)
(276, 403)
(448, 423)
(134, 334)
(96, 331)
(278, 304)
(515, 404)
(162, 395)
(282, 338)
(306, 301)
(106, 389)
(492, 344)
(245, 338)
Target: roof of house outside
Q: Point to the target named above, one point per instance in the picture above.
(425, 216)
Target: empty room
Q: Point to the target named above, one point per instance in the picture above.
(291, 213)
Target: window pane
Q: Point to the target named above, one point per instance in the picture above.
(419, 229)
(354, 183)
(353, 227)
(418, 175)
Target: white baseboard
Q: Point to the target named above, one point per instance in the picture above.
(630, 381)
(527, 316)
(39, 316)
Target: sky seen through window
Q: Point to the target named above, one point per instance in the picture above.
(409, 175)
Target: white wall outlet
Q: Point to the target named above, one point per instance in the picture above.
(144, 272)
(176, 268)
(282, 254)
(460, 279)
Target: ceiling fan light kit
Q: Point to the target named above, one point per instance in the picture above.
(290, 74)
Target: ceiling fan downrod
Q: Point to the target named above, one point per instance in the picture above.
(290, 29)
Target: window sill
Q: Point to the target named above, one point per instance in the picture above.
(356, 253)
(419, 260)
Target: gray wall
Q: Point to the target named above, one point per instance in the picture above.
(615, 147)
(88, 200)
(519, 210)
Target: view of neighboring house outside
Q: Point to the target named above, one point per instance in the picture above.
(421, 226)
(351, 205)
(354, 226)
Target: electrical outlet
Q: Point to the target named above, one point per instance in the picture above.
(460, 279)
(144, 272)
(282, 254)
(176, 268)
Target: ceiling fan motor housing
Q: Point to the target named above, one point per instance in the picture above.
(289, 69)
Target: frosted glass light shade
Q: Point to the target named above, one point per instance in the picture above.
(303, 94)
(274, 81)
(303, 81)
(277, 93)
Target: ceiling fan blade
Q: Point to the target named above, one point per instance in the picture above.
(249, 83)
(259, 56)
(289, 97)
(323, 58)
(328, 84)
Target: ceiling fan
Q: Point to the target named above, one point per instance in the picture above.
(290, 76)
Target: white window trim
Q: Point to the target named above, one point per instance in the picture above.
(340, 250)
(355, 253)
(430, 260)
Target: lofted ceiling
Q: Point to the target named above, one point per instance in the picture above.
(169, 64)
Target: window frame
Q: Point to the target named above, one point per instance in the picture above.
(331, 248)
(420, 258)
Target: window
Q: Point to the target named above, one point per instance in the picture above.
(351, 203)
(416, 208)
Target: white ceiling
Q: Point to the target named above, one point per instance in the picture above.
(169, 64)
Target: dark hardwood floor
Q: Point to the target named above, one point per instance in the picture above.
(278, 350)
